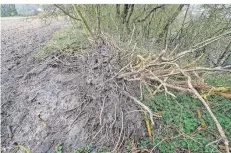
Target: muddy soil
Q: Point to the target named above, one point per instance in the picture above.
(23, 81)
(65, 100)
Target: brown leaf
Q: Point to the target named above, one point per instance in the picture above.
(148, 129)
(222, 147)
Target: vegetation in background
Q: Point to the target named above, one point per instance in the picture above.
(219, 80)
(8, 10)
(27, 9)
(155, 26)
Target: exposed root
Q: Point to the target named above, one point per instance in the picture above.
(122, 128)
(142, 105)
(104, 106)
(109, 82)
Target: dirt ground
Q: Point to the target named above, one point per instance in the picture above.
(29, 89)
(56, 101)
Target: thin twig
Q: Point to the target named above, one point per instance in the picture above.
(67, 13)
(97, 132)
(132, 35)
(122, 128)
(218, 125)
(100, 116)
(78, 115)
(222, 69)
(207, 42)
(142, 105)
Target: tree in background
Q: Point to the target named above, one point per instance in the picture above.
(154, 26)
(8, 10)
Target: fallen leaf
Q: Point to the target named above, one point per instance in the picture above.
(222, 147)
(148, 128)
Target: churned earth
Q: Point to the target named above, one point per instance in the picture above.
(29, 89)
(71, 100)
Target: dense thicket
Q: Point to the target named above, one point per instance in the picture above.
(166, 47)
(155, 26)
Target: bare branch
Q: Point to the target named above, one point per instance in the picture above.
(142, 105)
(66, 13)
(153, 10)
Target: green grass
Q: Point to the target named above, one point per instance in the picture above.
(83, 149)
(177, 129)
(219, 80)
(180, 121)
(66, 40)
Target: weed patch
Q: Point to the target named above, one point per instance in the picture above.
(219, 80)
(67, 40)
(185, 124)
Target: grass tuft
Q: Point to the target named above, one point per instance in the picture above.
(66, 40)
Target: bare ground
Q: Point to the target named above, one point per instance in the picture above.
(69, 100)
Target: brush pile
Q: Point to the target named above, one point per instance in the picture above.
(166, 72)
(113, 84)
